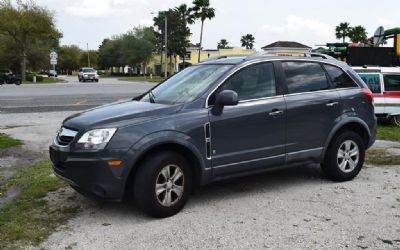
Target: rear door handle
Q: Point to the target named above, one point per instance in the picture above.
(332, 104)
(275, 112)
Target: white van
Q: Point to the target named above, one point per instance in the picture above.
(384, 82)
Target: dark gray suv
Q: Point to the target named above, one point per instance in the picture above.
(216, 120)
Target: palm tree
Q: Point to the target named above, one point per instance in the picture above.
(202, 10)
(185, 13)
(223, 44)
(343, 31)
(187, 17)
(247, 41)
(358, 34)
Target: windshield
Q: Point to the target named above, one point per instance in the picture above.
(88, 70)
(187, 85)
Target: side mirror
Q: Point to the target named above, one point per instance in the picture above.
(224, 98)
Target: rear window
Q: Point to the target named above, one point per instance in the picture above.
(339, 78)
(392, 82)
(304, 77)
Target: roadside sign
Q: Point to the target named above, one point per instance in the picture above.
(53, 57)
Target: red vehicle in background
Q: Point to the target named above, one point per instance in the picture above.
(384, 82)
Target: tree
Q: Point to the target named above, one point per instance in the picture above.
(177, 32)
(186, 17)
(358, 34)
(223, 44)
(69, 58)
(93, 59)
(247, 41)
(343, 31)
(110, 53)
(31, 28)
(202, 10)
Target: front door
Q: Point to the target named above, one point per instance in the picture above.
(251, 134)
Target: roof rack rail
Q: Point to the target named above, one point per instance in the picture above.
(288, 52)
(222, 57)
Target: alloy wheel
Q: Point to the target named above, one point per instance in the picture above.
(169, 186)
(348, 156)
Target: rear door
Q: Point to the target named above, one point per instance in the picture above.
(251, 134)
(312, 108)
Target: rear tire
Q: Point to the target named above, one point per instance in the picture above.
(395, 120)
(18, 82)
(344, 157)
(162, 184)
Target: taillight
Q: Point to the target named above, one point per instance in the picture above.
(368, 94)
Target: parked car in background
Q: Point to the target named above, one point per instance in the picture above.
(384, 82)
(88, 74)
(216, 120)
(52, 73)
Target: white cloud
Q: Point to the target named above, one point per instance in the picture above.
(384, 22)
(298, 25)
(101, 8)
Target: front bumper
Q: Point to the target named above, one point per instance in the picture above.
(88, 173)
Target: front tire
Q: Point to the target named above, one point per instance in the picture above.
(344, 157)
(395, 120)
(162, 184)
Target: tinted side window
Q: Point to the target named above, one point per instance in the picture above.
(253, 82)
(339, 78)
(373, 81)
(304, 77)
(392, 82)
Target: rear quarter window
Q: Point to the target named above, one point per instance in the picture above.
(339, 78)
(392, 82)
(373, 82)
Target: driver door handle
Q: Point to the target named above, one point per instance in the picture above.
(275, 113)
(331, 104)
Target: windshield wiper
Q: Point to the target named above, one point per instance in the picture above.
(152, 97)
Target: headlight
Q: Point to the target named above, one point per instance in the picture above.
(97, 138)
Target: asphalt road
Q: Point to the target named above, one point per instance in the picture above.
(68, 96)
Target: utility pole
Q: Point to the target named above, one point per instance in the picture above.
(166, 48)
(88, 58)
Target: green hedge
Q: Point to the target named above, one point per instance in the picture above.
(29, 78)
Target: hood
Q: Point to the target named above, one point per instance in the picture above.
(115, 113)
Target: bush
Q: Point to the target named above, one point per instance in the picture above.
(29, 78)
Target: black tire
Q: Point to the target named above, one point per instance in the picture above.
(97, 80)
(331, 164)
(150, 173)
(83, 80)
(395, 120)
(18, 82)
(79, 79)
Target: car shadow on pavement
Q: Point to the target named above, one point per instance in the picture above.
(269, 181)
(266, 183)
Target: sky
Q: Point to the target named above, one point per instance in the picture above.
(310, 22)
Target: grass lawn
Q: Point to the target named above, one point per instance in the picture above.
(46, 80)
(29, 219)
(388, 132)
(155, 79)
(8, 142)
(381, 157)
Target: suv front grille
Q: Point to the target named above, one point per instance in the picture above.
(65, 136)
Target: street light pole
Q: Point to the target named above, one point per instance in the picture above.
(88, 58)
(166, 48)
